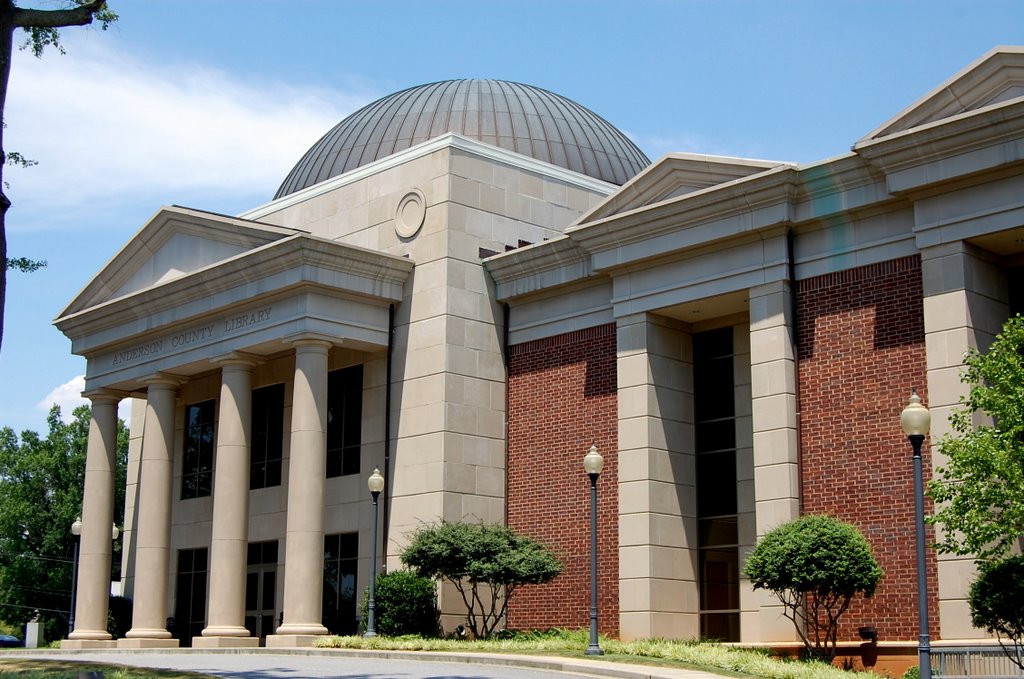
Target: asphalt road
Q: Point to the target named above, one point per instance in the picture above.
(264, 665)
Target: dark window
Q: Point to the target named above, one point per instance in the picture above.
(197, 467)
(344, 420)
(341, 553)
(190, 595)
(267, 436)
(715, 440)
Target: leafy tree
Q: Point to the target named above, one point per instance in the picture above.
(815, 565)
(42, 27)
(469, 555)
(41, 481)
(997, 604)
(980, 490)
(404, 603)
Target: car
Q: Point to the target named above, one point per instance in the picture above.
(8, 641)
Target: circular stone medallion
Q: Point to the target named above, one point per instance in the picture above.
(412, 209)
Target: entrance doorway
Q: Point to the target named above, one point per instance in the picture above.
(261, 589)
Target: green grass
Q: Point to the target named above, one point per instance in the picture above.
(707, 656)
(66, 669)
(690, 654)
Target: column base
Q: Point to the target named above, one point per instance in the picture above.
(147, 643)
(292, 640)
(85, 644)
(225, 642)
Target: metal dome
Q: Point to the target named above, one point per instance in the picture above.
(513, 116)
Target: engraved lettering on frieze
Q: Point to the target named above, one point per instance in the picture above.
(137, 352)
(183, 339)
(245, 320)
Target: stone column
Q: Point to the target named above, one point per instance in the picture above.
(230, 534)
(93, 602)
(776, 443)
(658, 593)
(307, 467)
(965, 305)
(149, 617)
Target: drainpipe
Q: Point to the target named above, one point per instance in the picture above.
(794, 335)
(506, 311)
(387, 428)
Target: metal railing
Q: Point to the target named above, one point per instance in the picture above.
(967, 662)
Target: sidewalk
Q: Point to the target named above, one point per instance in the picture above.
(300, 662)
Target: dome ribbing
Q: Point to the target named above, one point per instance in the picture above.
(513, 116)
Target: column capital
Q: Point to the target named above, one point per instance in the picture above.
(311, 339)
(104, 395)
(238, 358)
(167, 380)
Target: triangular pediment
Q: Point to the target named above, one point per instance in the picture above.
(996, 77)
(175, 242)
(674, 175)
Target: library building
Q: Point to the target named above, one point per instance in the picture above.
(469, 283)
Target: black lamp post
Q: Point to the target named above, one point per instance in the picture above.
(916, 420)
(593, 463)
(76, 532)
(376, 484)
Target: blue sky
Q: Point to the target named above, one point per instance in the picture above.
(208, 103)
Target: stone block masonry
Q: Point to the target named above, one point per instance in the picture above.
(861, 349)
(562, 399)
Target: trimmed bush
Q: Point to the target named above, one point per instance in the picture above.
(997, 604)
(815, 565)
(404, 603)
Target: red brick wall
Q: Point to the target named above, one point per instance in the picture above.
(861, 348)
(561, 399)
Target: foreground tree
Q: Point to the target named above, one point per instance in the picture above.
(41, 482)
(815, 565)
(979, 492)
(997, 604)
(486, 563)
(42, 27)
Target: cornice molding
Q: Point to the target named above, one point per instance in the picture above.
(386, 273)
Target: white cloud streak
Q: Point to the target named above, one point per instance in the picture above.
(108, 127)
(69, 396)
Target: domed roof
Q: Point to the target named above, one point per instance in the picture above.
(520, 118)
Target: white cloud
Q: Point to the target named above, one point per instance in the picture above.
(69, 396)
(106, 126)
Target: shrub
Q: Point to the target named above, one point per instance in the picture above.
(997, 603)
(404, 603)
(815, 565)
(119, 616)
(469, 555)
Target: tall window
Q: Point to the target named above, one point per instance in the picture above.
(267, 436)
(715, 438)
(341, 553)
(197, 467)
(261, 588)
(190, 595)
(344, 420)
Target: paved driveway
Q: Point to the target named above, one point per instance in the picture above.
(264, 664)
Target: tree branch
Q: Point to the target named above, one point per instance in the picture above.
(57, 18)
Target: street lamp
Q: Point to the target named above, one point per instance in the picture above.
(915, 420)
(376, 484)
(593, 463)
(76, 531)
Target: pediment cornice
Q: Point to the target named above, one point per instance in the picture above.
(968, 143)
(299, 259)
(157, 231)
